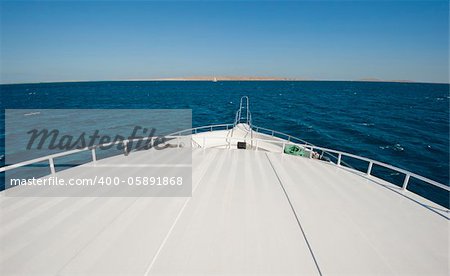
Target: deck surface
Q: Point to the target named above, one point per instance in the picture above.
(250, 213)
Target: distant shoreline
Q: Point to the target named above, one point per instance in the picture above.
(228, 79)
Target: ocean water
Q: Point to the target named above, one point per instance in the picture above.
(403, 124)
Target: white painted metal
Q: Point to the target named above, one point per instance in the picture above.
(52, 165)
(369, 169)
(405, 182)
(238, 221)
(94, 156)
(339, 153)
(279, 142)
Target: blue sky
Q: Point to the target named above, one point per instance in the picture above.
(336, 40)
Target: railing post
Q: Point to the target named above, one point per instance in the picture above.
(272, 133)
(256, 146)
(339, 159)
(369, 169)
(284, 145)
(405, 182)
(211, 128)
(289, 138)
(94, 156)
(204, 142)
(178, 141)
(52, 165)
(125, 143)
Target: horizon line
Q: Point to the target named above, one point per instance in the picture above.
(227, 79)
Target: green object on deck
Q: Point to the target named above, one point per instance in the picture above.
(296, 150)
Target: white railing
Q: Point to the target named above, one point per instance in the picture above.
(339, 154)
(196, 130)
(372, 162)
(271, 132)
(50, 158)
(288, 140)
(175, 135)
(279, 134)
(244, 106)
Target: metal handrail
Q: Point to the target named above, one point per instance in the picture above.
(371, 162)
(245, 106)
(293, 138)
(65, 153)
(340, 154)
(51, 157)
(195, 129)
(177, 135)
(248, 117)
(273, 132)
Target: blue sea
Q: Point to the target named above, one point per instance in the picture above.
(403, 124)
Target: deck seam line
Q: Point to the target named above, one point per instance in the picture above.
(296, 216)
(86, 245)
(99, 232)
(155, 257)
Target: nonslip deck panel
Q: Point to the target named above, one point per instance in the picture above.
(358, 227)
(238, 221)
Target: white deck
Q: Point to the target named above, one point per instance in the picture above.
(252, 212)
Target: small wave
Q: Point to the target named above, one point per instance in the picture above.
(1, 157)
(367, 124)
(32, 113)
(439, 99)
(396, 147)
